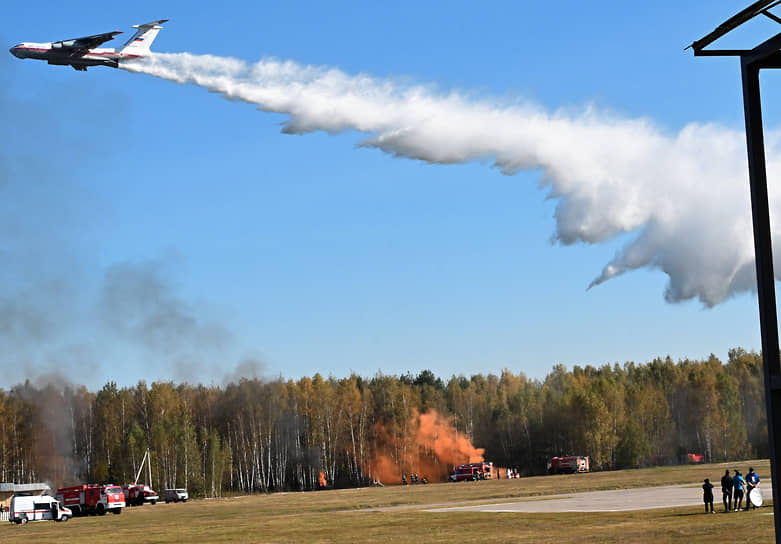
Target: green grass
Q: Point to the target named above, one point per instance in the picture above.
(349, 515)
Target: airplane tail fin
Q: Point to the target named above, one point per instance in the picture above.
(141, 41)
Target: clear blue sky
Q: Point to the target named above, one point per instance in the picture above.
(306, 253)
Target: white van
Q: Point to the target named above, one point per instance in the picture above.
(26, 508)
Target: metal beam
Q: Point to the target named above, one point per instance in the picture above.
(772, 61)
(772, 17)
(763, 249)
(721, 52)
(763, 51)
(734, 22)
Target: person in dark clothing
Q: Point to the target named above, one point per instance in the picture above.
(726, 491)
(738, 484)
(752, 481)
(707, 495)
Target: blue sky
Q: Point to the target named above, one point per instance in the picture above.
(287, 255)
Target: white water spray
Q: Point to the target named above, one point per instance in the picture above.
(684, 195)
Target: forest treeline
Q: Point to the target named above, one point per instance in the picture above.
(273, 435)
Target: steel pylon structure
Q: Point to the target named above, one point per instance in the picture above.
(766, 55)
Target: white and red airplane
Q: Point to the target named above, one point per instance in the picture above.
(83, 52)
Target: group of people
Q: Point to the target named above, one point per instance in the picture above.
(413, 478)
(733, 489)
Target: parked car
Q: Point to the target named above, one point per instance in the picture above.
(175, 495)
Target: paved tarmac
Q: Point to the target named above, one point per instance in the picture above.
(619, 500)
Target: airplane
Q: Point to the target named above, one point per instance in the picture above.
(83, 52)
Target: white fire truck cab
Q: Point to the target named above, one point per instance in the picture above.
(26, 508)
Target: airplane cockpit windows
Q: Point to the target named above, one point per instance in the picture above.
(65, 43)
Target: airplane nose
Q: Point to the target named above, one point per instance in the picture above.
(14, 51)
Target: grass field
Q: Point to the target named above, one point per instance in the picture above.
(349, 516)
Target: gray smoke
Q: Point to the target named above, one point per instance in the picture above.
(250, 368)
(40, 268)
(139, 304)
(56, 319)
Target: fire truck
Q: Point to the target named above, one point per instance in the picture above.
(571, 464)
(92, 499)
(138, 494)
(472, 471)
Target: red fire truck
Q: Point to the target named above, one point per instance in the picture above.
(571, 464)
(472, 471)
(92, 499)
(138, 494)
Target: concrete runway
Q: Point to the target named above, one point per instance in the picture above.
(619, 500)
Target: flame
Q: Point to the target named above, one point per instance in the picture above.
(430, 447)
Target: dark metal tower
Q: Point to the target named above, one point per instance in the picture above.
(764, 55)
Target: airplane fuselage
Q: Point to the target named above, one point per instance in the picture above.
(99, 56)
(86, 51)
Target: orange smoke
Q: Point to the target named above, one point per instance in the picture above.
(437, 433)
(429, 446)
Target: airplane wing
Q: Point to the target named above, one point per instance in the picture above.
(79, 46)
(152, 24)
